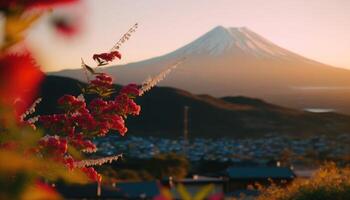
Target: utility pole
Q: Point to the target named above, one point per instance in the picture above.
(186, 142)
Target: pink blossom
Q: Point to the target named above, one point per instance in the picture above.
(131, 89)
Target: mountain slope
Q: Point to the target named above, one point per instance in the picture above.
(162, 114)
(237, 61)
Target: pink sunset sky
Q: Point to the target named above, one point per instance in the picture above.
(317, 29)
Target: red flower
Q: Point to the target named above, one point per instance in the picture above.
(19, 81)
(55, 122)
(88, 146)
(103, 128)
(63, 146)
(102, 81)
(69, 162)
(133, 108)
(71, 103)
(131, 89)
(97, 105)
(127, 106)
(85, 121)
(71, 131)
(66, 99)
(105, 58)
(105, 78)
(58, 146)
(92, 174)
(118, 123)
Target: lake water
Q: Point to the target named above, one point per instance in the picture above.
(319, 110)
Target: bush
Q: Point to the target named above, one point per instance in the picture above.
(329, 182)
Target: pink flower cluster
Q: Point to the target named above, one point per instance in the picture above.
(54, 145)
(131, 89)
(102, 81)
(79, 142)
(81, 121)
(71, 103)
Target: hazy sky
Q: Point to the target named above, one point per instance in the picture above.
(317, 29)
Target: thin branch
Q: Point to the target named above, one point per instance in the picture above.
(124, 38)
(151, 82)
(99, 161)
(31, 109)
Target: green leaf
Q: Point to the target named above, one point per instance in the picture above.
(87, 67)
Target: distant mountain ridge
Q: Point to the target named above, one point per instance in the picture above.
(163, 107)
(238, 61)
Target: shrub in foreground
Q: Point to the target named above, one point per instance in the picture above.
(329, 182)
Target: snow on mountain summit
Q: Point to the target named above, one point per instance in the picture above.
(222, 40)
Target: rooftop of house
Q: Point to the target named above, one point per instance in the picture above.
(196, 179)
(260, 172)
(129, 190)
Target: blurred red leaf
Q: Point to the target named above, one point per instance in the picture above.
(66, 27)
(28, 4)
(19, 81)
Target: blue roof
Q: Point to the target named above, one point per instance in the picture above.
(260, 172)
(124, 190)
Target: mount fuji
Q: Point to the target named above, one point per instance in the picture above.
(238, 61)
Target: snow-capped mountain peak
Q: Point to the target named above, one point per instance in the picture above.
(222, 40)
(238, 61)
